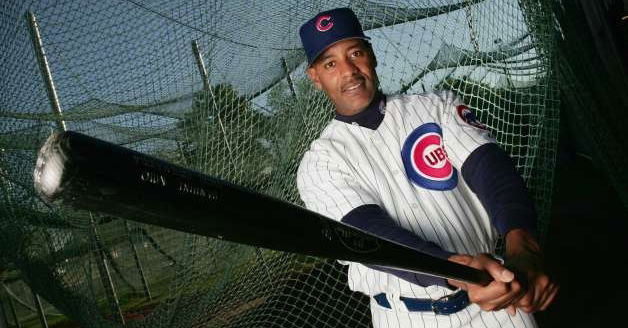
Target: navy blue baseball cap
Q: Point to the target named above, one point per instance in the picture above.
(327, 28)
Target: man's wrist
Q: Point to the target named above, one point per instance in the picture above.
(519, 240)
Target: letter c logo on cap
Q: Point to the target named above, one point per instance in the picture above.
(324, 23)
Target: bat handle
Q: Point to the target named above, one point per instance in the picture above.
(483, 278)
(470, 275)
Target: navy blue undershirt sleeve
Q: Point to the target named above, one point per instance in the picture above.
(375, 220)
(492, 176)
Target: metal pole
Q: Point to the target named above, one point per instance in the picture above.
(15, 318)
(203, 71)
(288, 77)
(40, 309)
(45, 69)
(474, 39)
(201, 65)
(138, 263)
(284, 64)
(105, 274)
(56, 107)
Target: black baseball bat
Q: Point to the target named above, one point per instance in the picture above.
(91, 174)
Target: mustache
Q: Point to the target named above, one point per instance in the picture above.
(351, 82)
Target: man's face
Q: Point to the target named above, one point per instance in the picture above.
(346, 72)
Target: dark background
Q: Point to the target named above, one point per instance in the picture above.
(587, 244)
(586, 248)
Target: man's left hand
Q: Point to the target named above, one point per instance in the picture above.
(524, 257)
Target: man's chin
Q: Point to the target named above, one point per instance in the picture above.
(352, 108)
(360, 97)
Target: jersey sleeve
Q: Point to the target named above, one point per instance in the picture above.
(462, 132)
(327, 187)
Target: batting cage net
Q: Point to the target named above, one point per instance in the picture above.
(219, 87)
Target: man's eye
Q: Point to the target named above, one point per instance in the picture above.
(329, 64)
(357, 53)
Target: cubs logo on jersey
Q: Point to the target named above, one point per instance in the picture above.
(468, 116)
(425, 159)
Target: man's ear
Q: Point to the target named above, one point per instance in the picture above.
(313, 75)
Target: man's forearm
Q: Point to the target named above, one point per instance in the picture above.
(374, 219)
(519, 241)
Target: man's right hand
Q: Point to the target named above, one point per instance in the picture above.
(502, 293)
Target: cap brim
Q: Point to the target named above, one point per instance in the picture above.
(331, 44)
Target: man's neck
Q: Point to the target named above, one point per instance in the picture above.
(371, 116)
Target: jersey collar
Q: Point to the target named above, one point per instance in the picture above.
(370, 117)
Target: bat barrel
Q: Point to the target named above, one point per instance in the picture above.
(87, 173)
(49, 168)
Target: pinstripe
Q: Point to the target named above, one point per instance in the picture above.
(434, 297)
(470, 245)
(512, 323)
(408, 201)
(408, 129)
(398, 318)
(480, 233)
(473, 237)
(418, 227)
(451, 115)
(483, 319)
(445, 128)
(468, 312)
(369, 164)
(425, 215)
(466, 248)
(385, 182)
(451, 150)
(349, 166)
(389, 187)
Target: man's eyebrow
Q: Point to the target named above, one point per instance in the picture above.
(358, 45)
(323, 57)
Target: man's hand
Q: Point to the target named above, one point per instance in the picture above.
(504, 292)
(524, 257)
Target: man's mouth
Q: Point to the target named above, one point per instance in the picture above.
(351, 86)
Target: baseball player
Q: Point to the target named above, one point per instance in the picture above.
(422, 171)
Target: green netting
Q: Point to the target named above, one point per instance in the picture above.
(126, 71)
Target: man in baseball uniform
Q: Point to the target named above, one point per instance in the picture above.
(419, 170)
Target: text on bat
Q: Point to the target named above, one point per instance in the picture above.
(196, 190)
(153, 177)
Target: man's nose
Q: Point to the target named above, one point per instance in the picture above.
(347, 68)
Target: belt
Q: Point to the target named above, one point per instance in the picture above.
(447, 304)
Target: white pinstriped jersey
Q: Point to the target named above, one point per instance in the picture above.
(409, 166)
